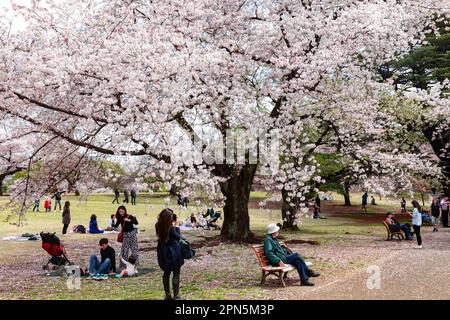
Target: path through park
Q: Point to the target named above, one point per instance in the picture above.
(407, 273)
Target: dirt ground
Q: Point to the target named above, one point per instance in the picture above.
(230, 271)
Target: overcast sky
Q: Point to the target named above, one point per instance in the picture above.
(17, 22)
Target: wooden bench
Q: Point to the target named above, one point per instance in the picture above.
(391, 234)
(267, 269)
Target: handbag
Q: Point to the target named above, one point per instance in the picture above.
(120, 237)
(186, 249)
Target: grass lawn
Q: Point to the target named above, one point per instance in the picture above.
(219, 270)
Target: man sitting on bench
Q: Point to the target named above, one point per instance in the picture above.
(277, 256)
(395, 226)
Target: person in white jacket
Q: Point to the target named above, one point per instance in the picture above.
(130, 269)
(416, 216)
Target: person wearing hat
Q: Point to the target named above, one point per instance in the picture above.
(277, 256)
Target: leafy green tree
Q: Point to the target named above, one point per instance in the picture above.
(421, 68)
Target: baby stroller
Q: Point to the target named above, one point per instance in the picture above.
(213, 217)
(52, 244)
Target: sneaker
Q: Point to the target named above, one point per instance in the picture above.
(177, 298)
(307, 283)
(168, 297)
(117, 276)
(418, 247)
(103, 277)
(314, 274)
(96, 277)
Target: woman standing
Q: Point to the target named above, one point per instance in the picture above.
(417, 222)
(129, 234)
(170, 258)
(66, 217)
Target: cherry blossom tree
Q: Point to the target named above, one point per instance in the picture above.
(125, 77)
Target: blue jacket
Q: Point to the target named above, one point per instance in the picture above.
(93, 227)
(170, 257)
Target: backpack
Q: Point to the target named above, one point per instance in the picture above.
(79, 229)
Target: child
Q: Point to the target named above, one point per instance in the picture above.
(131, 268)
(48, 204)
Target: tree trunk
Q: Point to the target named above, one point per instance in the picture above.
(423, 199)
(288, 212)
(347, 201)
(2, 178)
(236, 224)
(173, 190)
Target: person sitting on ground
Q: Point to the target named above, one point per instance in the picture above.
(130, 269)
(395, 226)
(202, 223)
(112, 224)
(277, 256)
(93, 225)
(193, 221)
(99, 269)
(372, 202)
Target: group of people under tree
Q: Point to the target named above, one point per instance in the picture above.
(127, 195)
(439, 210)
(129, 252)
(48, 201)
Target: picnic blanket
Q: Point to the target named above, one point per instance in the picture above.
(184, 228)
(61, 272)
(24, 237)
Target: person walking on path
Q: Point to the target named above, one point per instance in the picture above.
(36, 202)
(116, 196)
(128, 225)
(444, 211)
(48, 204)
(364, 202)
(403, 205)
(125, 193)
(170, 258)
(66, 217)
(435, 213)
(58, 198)
(133, 197)
(417, 222)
